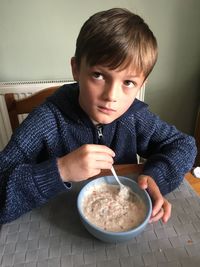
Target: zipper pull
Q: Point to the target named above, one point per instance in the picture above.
(99, 132)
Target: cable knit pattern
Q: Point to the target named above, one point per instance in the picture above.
(29, 176)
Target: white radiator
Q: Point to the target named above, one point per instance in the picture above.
(21, 90)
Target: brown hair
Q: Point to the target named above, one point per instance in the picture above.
(116, 38)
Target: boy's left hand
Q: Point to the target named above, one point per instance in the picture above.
(161, 206)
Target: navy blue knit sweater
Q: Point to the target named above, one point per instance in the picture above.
(29, 175)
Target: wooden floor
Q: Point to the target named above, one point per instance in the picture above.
(194, 182)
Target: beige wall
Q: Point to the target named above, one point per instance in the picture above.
(37, 40)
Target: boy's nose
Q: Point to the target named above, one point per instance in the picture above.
(110, 92)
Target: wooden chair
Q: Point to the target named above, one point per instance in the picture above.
(25, 105)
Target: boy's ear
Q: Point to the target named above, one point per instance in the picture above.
(75, 71)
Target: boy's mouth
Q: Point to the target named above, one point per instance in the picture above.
(106, 110)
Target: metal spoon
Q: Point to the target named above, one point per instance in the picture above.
(124, 190)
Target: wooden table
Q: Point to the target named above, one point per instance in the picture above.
(127, 169)
(124, 169)
(194, 182)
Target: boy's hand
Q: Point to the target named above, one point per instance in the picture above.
(161, 207)
(85, 162)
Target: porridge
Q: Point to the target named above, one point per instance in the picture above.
(106, 208)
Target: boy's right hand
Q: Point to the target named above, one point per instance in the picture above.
(85, 162)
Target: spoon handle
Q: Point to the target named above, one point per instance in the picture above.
(115, 175)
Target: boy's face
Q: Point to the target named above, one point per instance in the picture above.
(106, 94)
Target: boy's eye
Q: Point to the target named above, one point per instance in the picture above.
(97, 75)
(129, 83)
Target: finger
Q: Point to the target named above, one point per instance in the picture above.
(156, 197)
(143, 181)
(158, 216)
(100, 149)
(98, 165)
(167, 211)
(157, 205)
(164, 213)
(102, 157)
(103, 165)
(98, 161)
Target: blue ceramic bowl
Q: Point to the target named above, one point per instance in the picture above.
(104, 235)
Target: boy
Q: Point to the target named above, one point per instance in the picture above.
(86, 127)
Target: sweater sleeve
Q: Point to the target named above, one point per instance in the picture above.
(25, 183)
(170, 153)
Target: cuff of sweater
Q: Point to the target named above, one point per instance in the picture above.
(166, 182)
(158, 177)
(48, 179)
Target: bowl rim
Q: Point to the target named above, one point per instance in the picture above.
(131, 231)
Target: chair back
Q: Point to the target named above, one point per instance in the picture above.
(25, 105)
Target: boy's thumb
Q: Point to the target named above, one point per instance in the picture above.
(143, 181)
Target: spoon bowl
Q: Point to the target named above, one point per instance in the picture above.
(125, 191)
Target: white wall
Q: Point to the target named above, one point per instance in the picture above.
(37, 40)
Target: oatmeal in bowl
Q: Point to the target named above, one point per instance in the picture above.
(110, 216)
